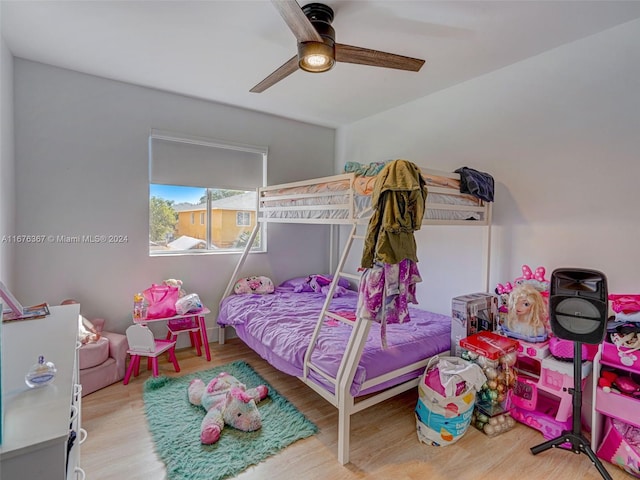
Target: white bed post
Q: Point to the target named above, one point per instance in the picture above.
(234, 275)
(487, 252)
(344, 379)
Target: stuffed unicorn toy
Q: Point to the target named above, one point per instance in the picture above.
(226, 400)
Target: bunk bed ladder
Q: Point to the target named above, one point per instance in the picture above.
(327, 303)
(350, 359)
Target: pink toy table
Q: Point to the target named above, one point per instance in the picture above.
(198, 316)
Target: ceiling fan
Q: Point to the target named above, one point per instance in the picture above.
(317, 48)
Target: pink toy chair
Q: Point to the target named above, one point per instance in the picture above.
(189, 325)
(143, 344)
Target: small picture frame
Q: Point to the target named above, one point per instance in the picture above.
(9, 300)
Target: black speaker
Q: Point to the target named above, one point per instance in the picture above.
(578, 309)
(578, 305)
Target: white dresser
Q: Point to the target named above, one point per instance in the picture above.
(38, 423)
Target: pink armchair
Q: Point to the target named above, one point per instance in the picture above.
(102, 363)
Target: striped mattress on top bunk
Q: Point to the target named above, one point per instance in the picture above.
(348, 196)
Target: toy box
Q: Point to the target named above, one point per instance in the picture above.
(619, 448)
(471, 314)
(489, 345)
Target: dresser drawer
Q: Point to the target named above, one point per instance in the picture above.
(616, 405)
(628, 359)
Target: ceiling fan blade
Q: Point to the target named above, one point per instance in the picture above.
(284, 71)
(297, 21)
(365, 56)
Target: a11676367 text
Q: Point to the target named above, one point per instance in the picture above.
(64, 239)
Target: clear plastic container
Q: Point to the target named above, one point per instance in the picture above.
(139, 307)
(40, 374)
(496, 355)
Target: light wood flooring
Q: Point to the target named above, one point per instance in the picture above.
(384, 444)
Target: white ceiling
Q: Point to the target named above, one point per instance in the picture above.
(218, 50)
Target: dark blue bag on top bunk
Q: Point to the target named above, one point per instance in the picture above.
(478, 184)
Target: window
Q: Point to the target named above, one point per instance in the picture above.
(191, 177)
(243, 219)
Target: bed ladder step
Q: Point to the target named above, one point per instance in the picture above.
(340, 318)
(351, 276)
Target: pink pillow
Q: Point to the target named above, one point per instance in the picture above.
(254, 284)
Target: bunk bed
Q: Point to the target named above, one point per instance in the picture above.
(323, 343)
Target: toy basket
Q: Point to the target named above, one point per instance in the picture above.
(441, 420)
(621, 446)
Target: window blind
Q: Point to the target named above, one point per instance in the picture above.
(176, 159)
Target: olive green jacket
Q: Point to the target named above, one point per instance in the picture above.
(399, 198)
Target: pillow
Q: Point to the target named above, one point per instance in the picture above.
(315, 283)
(302, 284)
(254, 284)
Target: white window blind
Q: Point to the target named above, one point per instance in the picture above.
(176, 159)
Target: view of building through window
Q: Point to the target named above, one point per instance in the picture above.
(196, 219)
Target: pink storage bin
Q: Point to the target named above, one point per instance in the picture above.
(612, 356)
(617, 405)
(183, 323)
(617, 450)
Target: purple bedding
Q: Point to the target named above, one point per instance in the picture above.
(278, 327)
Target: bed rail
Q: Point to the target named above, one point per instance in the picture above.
(345, 199)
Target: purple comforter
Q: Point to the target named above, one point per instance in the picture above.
(278, 327)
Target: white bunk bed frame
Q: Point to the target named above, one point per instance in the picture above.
(342, 399)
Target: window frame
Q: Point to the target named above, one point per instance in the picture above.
(243, 214)
(217, 144)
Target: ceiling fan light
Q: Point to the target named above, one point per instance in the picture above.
(315, 57)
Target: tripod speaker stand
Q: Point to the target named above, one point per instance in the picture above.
(578, 308)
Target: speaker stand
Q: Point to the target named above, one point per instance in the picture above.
(577, 441)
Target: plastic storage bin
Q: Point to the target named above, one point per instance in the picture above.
(617, 449)
(496, 355)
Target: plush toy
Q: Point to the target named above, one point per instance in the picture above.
(175, 283)
(536, 279)
(254, 284)
(607, 379)
(322, 284)
(226, 400)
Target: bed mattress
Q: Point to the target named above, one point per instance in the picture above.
(278, 327)
(331, 200)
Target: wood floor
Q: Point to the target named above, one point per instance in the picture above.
(384, 444)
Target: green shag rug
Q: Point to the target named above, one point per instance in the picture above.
(175, 427)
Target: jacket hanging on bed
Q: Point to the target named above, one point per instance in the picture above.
(398, 198)
(389, 256)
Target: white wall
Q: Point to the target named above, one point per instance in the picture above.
(560, 133)
(7, 171)
(82, 168)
